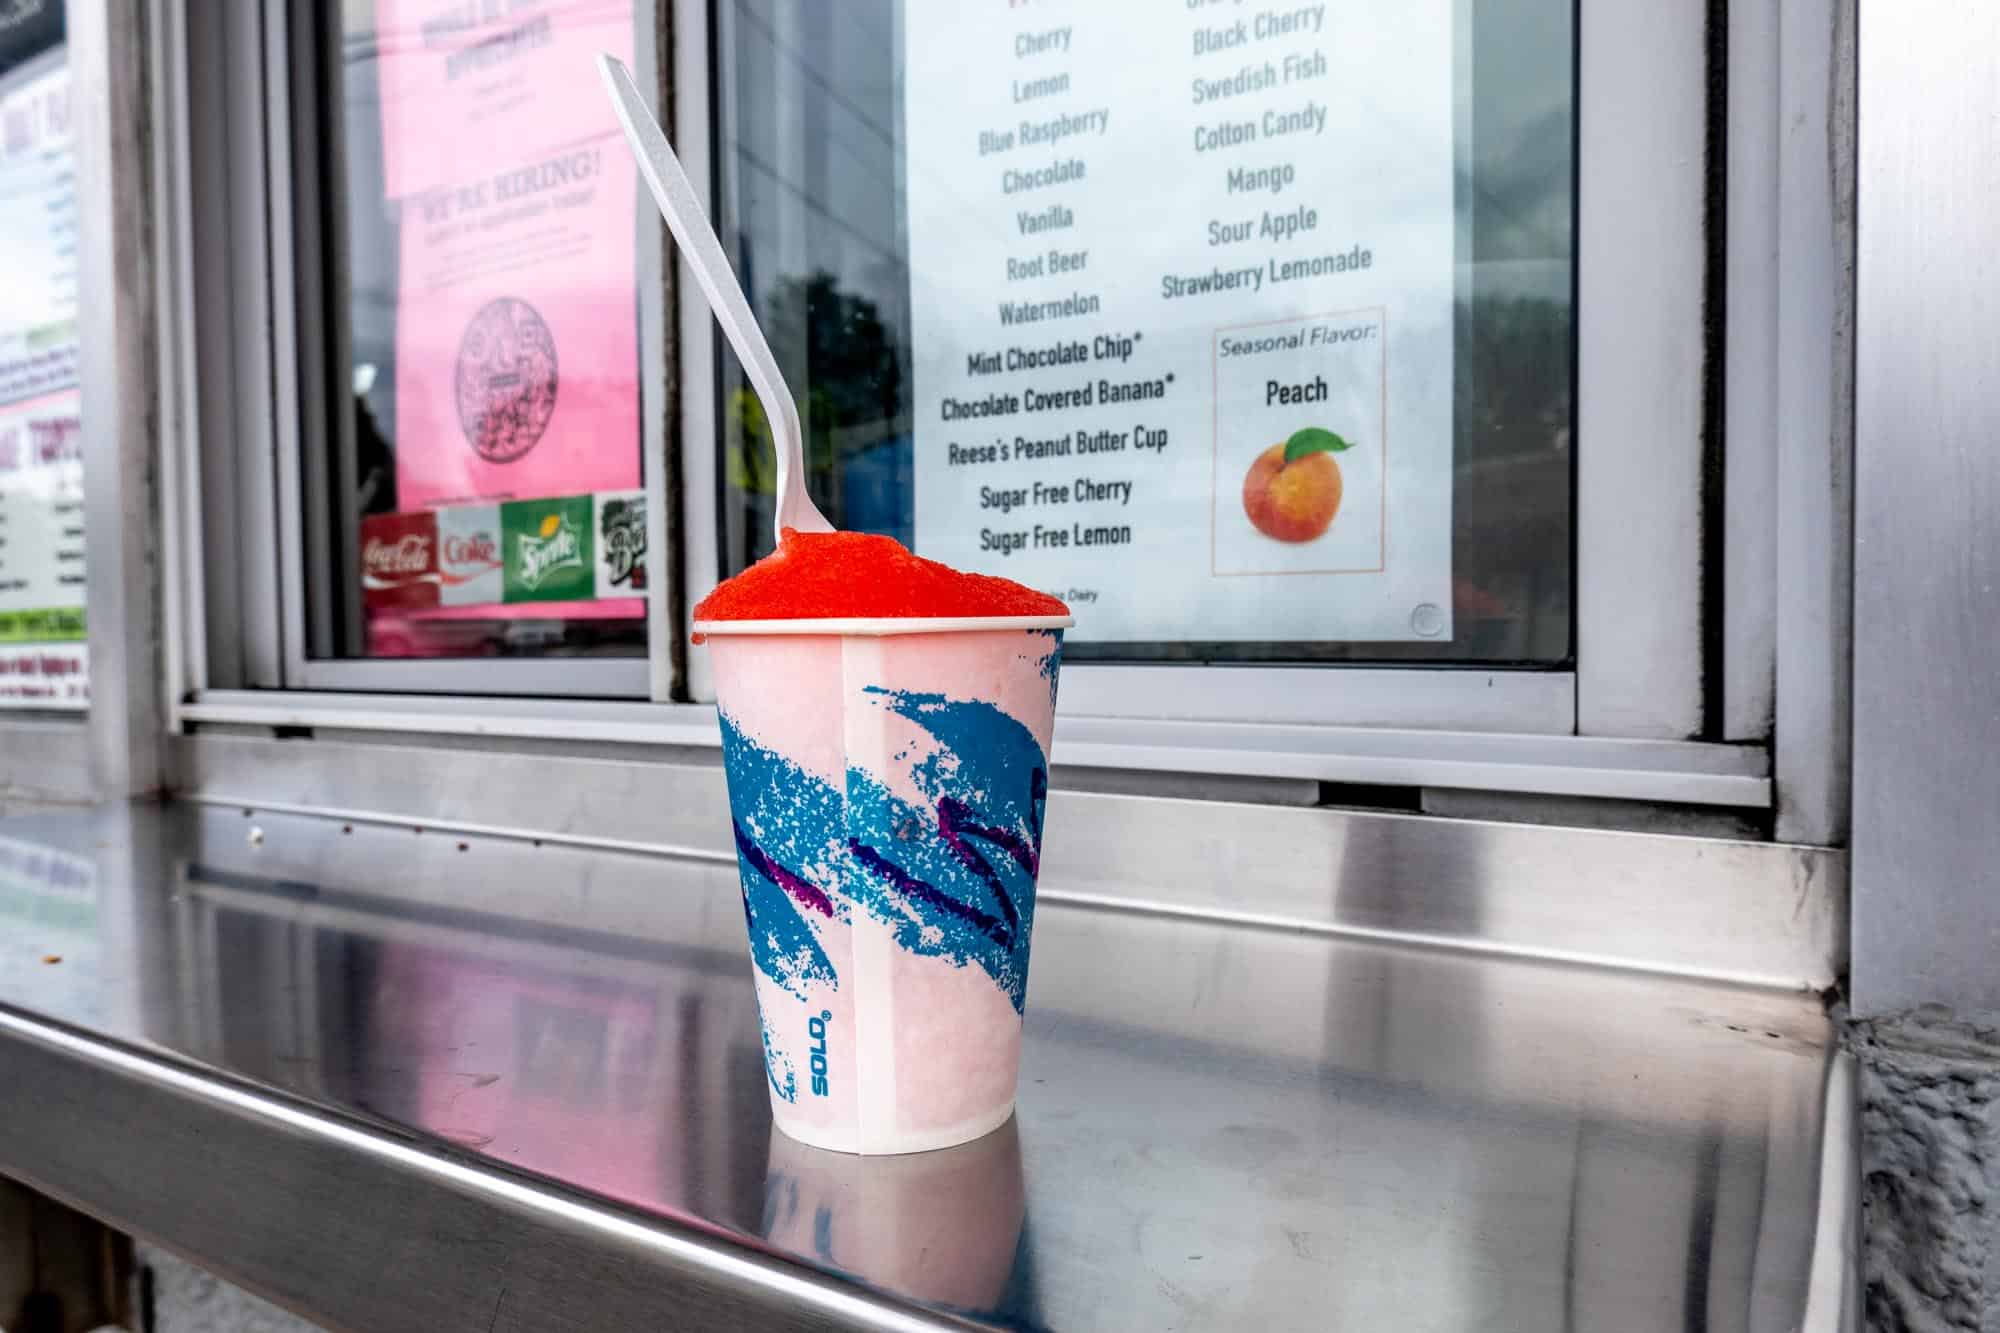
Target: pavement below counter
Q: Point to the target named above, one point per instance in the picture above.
(396, 1079)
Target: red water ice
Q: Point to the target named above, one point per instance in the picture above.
(824, 574)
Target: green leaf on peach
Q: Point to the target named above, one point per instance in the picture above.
(1313, 440)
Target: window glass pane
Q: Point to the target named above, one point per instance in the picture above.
(42, 652)
(1246, 329)
(481, 489)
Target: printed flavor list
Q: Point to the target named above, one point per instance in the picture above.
(1180, 278)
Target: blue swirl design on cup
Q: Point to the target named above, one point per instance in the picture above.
(775, 1060)
(954, 875)
(783, 817)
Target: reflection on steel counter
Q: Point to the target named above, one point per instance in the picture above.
(941, 1227)
(1220, 1127)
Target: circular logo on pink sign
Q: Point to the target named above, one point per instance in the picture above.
(506, 380)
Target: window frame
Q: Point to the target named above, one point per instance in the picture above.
(306, 241)
(1633, 675)
(1634, 718)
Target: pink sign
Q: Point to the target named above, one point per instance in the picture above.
(470, 87)
(517, 348)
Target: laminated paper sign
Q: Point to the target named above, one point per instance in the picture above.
(517, 326)
(471, 86)
(38, 299)
(43, 658)
(42, 623)
(1181, 308)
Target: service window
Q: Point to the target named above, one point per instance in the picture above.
(1246, 329)
(474, 482)
(1350, 348)
(43, 659)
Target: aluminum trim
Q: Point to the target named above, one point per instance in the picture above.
(582, 677)
(638, 723)
(1926, 730)
(1440, 699)
(228, 543)
(252, 442)
(1681, 772)
(118, 368)
(322, 282)
(295, 428)
(1815, 416)
(655, 300)
(1833, 1282)
(700, 422)
(1641, 184)
(1750, 371)
(184, 654)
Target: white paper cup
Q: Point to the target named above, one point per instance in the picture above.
(887, 780)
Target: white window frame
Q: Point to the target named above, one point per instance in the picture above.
(1641, 102)
(1626, 722)
(265, 409)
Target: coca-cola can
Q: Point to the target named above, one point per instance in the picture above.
(399, 560)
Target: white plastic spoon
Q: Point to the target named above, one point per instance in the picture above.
(690, 226)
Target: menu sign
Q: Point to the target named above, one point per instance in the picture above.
(1182, 284)
(43, 658)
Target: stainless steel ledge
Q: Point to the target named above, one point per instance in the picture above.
(1764, 913)
(371, 1228)
(399, 1081)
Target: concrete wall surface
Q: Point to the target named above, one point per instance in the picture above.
(1930, 1186)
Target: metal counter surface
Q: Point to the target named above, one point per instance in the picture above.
(397, 1079)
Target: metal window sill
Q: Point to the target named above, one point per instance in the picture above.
(397, 1080)
(1687, 772)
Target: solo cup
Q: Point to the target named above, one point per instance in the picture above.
(887, 780)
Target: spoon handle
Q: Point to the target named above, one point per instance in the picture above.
(691, 228)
